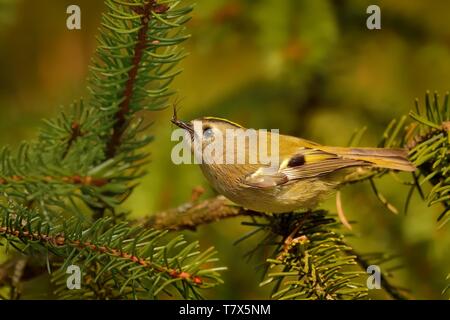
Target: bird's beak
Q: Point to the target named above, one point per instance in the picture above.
(183, 125)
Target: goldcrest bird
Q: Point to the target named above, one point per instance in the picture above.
(307, 172)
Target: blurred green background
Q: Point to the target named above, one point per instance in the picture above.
(310, 68)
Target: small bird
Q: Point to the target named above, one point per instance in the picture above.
(306, 172)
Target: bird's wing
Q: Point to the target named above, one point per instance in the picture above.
(306, 164)
(322, 167)
(312, 160)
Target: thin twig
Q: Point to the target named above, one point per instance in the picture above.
(75, 134)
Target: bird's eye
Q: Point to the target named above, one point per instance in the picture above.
(207, 132)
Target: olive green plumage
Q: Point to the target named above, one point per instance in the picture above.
(305, 174)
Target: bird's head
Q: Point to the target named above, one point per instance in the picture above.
(208, 130)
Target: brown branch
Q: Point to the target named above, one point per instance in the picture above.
(124, 107)
(75, 134)
(59, 241)
(191, 215)
(76, 179)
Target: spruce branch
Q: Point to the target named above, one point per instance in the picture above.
(131, 71)
(141, 44)
(192, 215)
(429, 150)
(310, 260)
(75, 180)
(133, 66)
(143, 255)
(93, 151)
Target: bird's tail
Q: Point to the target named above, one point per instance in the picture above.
(395, 159)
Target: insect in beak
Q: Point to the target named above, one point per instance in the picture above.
(180, 123)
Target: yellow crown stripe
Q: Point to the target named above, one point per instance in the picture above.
(223, 120)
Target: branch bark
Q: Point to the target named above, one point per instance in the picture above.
(191, 215)
(141, 44)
